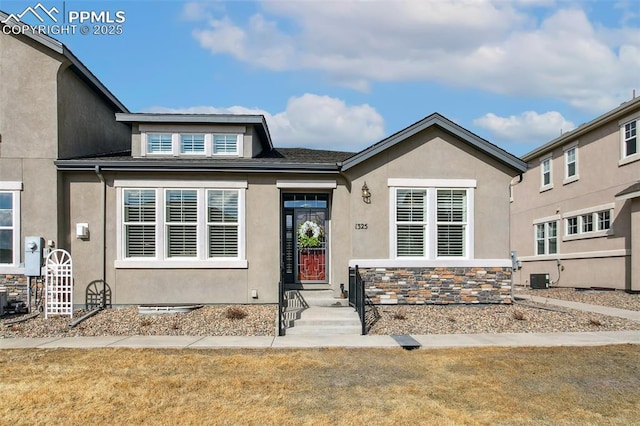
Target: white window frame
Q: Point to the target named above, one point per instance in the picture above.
(176, 145)
(544, 223)
(192, 134)
(628, 121)
(431, 186)
(15, 189)
(161, 259)
(543, 161)
(158, 153)
(236, 153)
(594, 213)
(568, 179)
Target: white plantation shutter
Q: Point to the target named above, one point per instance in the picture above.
(140, 222)
(222, 222)
(225, 144)
(181, 218)
(159, 143)
(410, 222)
(192, 144)
(451, 222)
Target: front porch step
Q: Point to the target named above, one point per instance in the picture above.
(326, 321)
(327, 298)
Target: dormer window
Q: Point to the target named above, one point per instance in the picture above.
(225, 144)
(192, 144)
(159, 143)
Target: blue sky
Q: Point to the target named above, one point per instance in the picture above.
(344, 74)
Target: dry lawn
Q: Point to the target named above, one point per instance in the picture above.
(599, 385)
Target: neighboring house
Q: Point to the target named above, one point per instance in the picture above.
(206, 210)
(575, 213)
(51, 107)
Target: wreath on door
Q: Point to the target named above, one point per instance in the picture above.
(310, 235)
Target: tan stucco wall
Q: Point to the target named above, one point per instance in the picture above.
(600, 178)
(29, 129)
(598, 272)
(87, 123)
(432, 154)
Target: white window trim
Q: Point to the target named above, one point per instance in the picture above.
(176, 142)
(431, 183)
(431, 219)
(593, 211)
(546, 237)
(568, 179)
(626, 159)
(161, 261)
(549, 186)
(191, 154)
(239, 146)
(145, 148)
(306, 184)
(14, 187)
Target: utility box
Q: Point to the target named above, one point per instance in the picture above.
(33, 251)
(539, 281)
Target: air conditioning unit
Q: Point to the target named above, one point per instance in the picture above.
(539, 281)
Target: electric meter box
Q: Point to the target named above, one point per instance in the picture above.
(33, 251)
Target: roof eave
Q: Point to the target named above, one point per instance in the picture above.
(582, 129)
(177, 166)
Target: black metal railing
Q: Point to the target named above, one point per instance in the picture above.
(282, 306)
(357, 296)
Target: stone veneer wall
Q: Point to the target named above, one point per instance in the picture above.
(16, 287)
(437, 286)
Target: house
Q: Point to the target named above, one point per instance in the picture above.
(206, 210)
(575, 213)
(51, 107)
(190, 208)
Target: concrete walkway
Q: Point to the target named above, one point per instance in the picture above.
(598, 309)
(431, 341)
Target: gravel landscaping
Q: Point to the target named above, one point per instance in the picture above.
(260, 320)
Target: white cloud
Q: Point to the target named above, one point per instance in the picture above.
(498, 46)
(310, 121)
(529, 127)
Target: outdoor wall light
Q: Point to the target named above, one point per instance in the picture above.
(366, 194)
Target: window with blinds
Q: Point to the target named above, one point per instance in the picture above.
(451, 216)
(222, 223)
(225, 144)
(411, 222)
(181, 218)
(159, 143)
(140, 222)
(6, 228)
(191, 144)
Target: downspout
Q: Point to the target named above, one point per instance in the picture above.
(104, 236)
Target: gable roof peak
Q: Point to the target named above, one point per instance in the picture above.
(440, 121)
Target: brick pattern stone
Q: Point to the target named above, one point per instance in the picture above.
(437, 286)
(16, 287)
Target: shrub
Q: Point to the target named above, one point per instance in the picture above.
(235, 313)
(594, 321)
(399, 315)
(145, 322)
(518, 315)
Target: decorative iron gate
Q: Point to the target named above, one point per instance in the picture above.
(59, 284)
